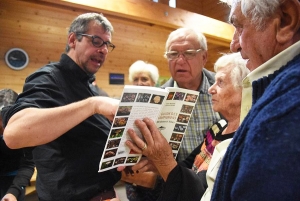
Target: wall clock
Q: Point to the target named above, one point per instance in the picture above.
(16, 58)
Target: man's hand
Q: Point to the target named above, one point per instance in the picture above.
(9, 197)
(106, 106)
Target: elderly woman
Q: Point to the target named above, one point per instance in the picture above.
(143, 74)
(186, 180)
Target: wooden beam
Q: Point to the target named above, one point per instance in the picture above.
(156, 14)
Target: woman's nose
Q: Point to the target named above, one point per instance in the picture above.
(211, 89)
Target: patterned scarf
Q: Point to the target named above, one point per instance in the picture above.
(212, 138)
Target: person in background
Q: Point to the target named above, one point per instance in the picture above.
(143, 74)
(16, 165)
(186, 52)
(180, 182)
(65, 122)
(263, 160)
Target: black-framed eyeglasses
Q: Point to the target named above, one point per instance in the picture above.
(99, 42)
(188, 54)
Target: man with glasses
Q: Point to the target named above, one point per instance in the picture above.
(60, 116)
(186, 52)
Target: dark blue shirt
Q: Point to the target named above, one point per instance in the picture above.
(68, 166)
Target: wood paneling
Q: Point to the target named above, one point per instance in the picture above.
(211, 8)
(41, 29)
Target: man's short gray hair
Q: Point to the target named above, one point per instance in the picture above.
(200, 37)
(81, 24)
(257, 10)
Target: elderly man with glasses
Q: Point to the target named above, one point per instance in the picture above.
(186, 52)
(60, 116)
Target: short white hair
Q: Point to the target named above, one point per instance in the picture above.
(141, 66)
(238, 72)
(256, 10)
(200, 37)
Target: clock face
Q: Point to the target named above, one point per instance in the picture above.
(16, 58)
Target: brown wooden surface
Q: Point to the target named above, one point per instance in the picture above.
(40, 28)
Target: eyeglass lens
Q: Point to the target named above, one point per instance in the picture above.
(98, 42)
(188, 54)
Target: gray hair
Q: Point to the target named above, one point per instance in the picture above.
(81, 24)
(200, 37)
(141, 66)
(239, 71)
(257, 10)
(7, 97)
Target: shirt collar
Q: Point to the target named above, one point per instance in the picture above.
(203, 87)
(265, 69)
(275, 63)
(71, 67)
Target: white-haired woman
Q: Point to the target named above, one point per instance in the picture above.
(143, 74)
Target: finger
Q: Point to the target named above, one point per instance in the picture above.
(141, 125)
(115, 199)
(121, 168)
(148, 168)
(133, 146)
(136, 142)
(140, 164)
(155, 133)
(128, 171)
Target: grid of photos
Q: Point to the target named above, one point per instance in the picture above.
(182, 119)
(116, 154)
(118, 129)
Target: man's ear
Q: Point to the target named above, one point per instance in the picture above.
(204, 57)
(289, 24)
(72, 40)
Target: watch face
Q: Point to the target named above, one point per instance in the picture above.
(16, 58)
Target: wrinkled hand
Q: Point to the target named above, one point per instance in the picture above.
(144, 165)
(106, 106)
(158, 150)
(128, 171)
(9, 197)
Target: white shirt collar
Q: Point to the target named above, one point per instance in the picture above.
(265, 69)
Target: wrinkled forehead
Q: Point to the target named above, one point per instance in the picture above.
(183, 38)
(142, 74)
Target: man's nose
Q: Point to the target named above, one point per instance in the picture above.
(103, 49)
(235, 43)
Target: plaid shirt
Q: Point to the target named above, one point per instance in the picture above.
(202, 118)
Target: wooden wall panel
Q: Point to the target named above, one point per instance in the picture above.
(41, 30)
(211, 8)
